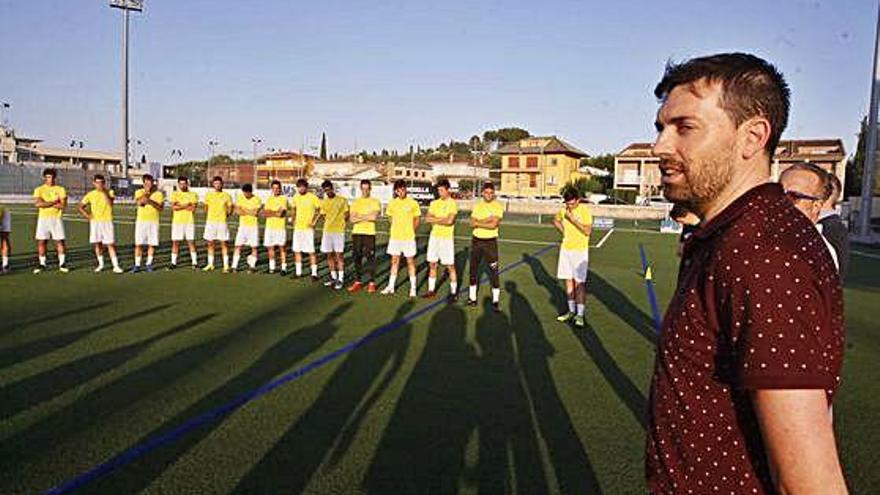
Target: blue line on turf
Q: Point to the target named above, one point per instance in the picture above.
(143, 448)
(649, 285)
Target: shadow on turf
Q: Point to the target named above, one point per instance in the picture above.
(18, 325)
(625, 389)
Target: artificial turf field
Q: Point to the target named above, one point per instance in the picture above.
(446, 399)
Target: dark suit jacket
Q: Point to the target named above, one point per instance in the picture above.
(835, 231)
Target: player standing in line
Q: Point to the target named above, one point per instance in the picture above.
(441, 244)
(405, 214)
(485, 219)
(100, 216)
(363, 214)
(248, 207)
(334, 209)
(50, 199)
(575, 222)
(5, 231)
(183, 225)
(275, 235)
(218, 204)
(305, 205)
(150, 202)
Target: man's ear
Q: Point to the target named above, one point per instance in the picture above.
(754, 133)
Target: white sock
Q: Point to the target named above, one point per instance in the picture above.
(299, 269)
(341, 275)
(61, 258)
(194, 258)
(211, 259)
(412, 282)
(100, 261)
(314, 270)
(173, 258)
(496, 295)
(5, 261)
(571, 306)
(284, 266)
(580, 309)
(472, 293)
(392, 280)
(137, 261)
(225, 261)
(42, 261)
(149, 260)
(453, 287)
(235, 259)
(252, 261)
(271, 265)
(432, 284)
(115, 260)
(332, 274)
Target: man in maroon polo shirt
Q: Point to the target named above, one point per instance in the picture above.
(751, 346)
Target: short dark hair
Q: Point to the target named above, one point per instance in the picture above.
(302, 182)
(488, 185)
(399, 183)
(819, 172)
(836, 187)
(183, 179)
(149, 177)
(326, 184)
(50, 171)
(216, 178)
(570, 193)
(247, 188)
(750, 86)
(443, 183)
(100, 178)
(366, 182)
(274, 182)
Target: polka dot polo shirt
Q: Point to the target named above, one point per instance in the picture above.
(758, 306)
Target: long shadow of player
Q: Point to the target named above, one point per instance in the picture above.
(329, 425)
(574, 473)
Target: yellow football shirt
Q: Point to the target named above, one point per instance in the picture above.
(217, 203)
(276, 203)
(334, 210)
(442, 208)
(365, 206)
(102, 210)
(249, 204)
(148, 212)
(183, 217)
(402, 212)
(305, 205)
(572, 238)
(482, 211)
(50, 193)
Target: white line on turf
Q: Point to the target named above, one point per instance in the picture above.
(867, 255)
(604, 238)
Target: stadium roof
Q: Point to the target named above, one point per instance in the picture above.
(554, 145)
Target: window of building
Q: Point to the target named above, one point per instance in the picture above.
(553, 162)
(407, 173)
(513, 162)
(533, 180)
(532, 162)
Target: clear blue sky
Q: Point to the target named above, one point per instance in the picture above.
(387, 73)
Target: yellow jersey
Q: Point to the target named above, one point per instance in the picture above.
(217, 203)
(442, 208)
(402, 212)
(306, 205)
(334, 210)
(276, 203)
(254, 204)
(51, 194)
(365, 206)
(573, 239)
(482, 211)
(148, 212)
(183, 217)
(100, 206)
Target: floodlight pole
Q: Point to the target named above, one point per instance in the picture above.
(126, 6)
(864, 220)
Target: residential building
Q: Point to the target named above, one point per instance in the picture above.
(233, 174)
(538, 166)
(285, 166)
(412, 172)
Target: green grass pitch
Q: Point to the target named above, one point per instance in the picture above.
(458, 400)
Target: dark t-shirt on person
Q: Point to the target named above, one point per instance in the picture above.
(758, 306)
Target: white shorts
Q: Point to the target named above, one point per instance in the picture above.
(573, 265)
(101, 232)
(275, 237)
(333, 242)
(247, 236)
(183, 231)
(50, 228)
(405, 248)
(303, 241)
(146, 233)
(6, 222)
(216, 231)
(442, 250)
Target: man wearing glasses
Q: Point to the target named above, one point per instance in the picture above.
(808, 186)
